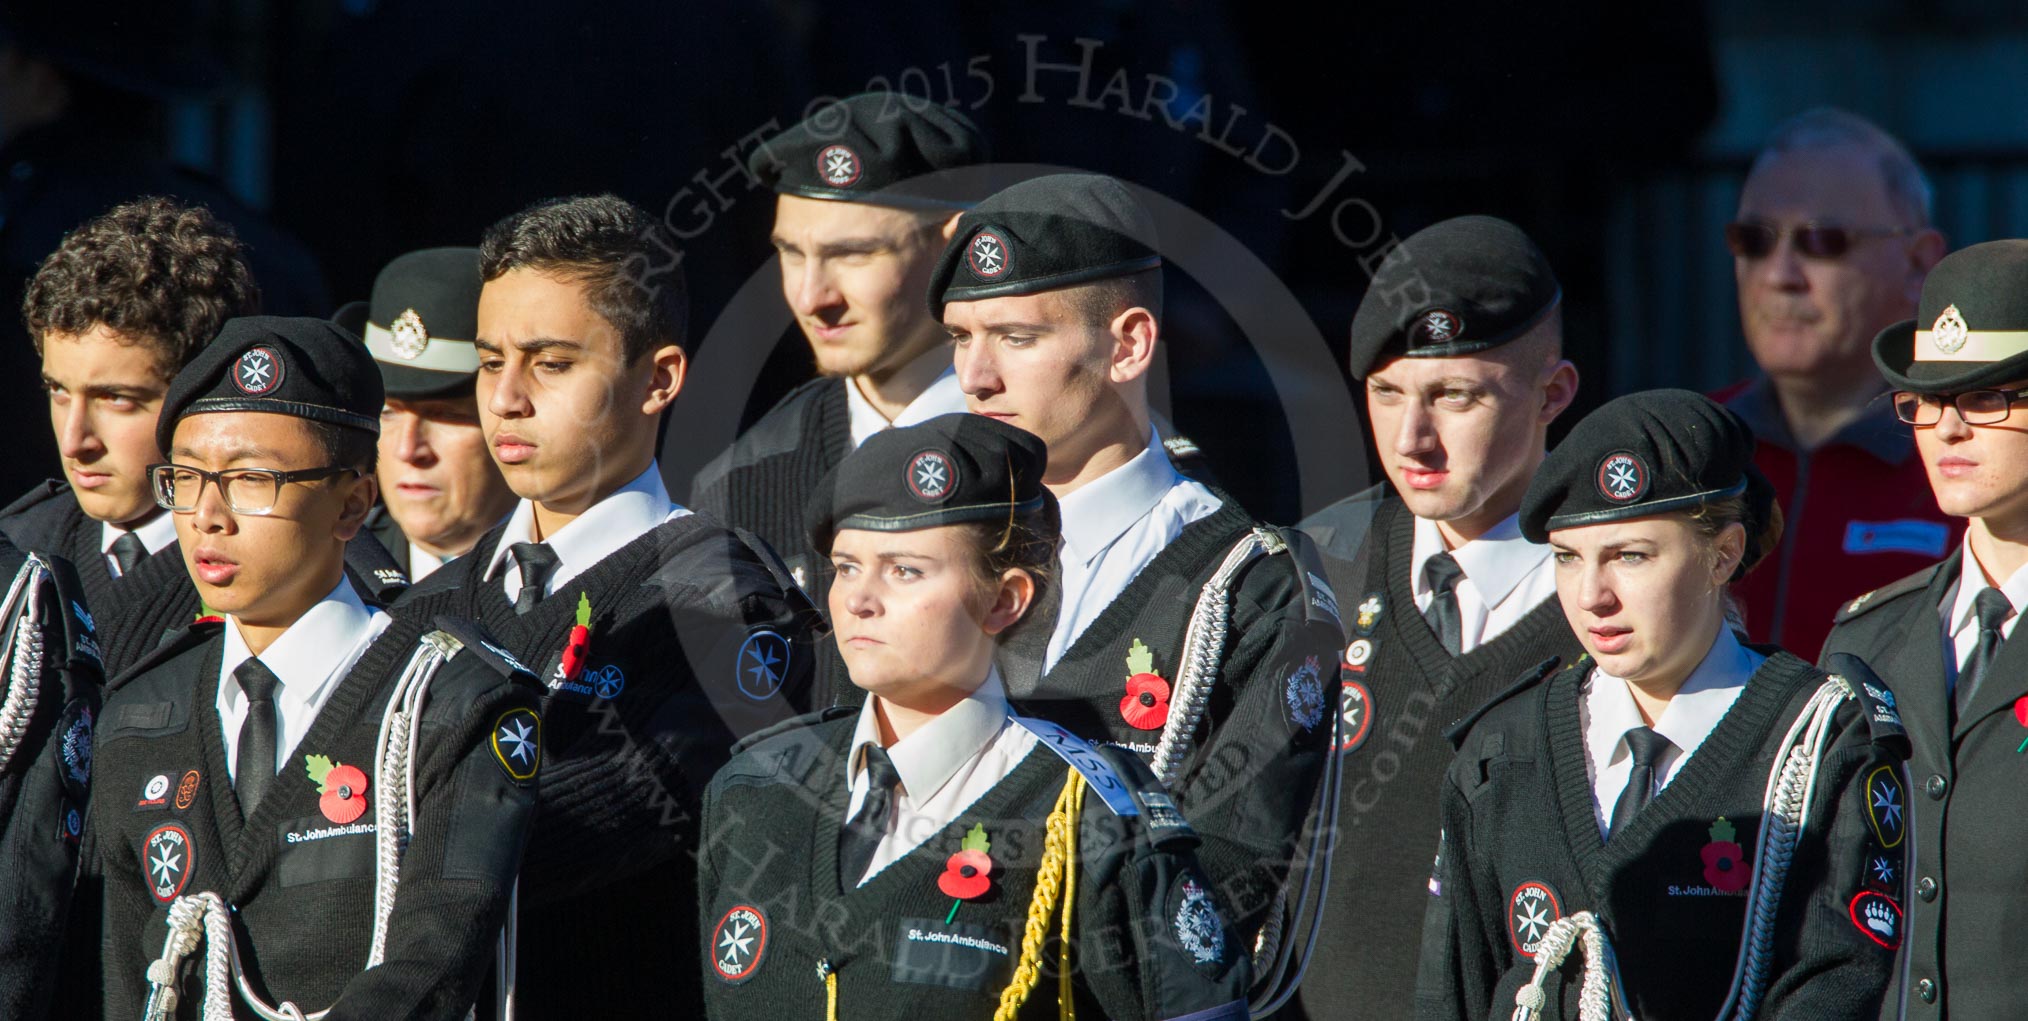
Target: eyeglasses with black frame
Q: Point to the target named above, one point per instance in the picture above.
(1816, 241)
(247, 490)
(1976, 407)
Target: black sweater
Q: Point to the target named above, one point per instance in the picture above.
(1250, 780)
(166, 821)
(1521, 847)
(1403, 689)
(1149, 944)
(680, 619)
(44, 789)
(765, 483)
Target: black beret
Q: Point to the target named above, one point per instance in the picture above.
(951, 469)
(1974, 313)
(1649, 453)
(421, 322)
(876, 148)
(309, 368)
(1044, 234)
(1455, 288)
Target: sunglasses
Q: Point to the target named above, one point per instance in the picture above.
(1756, 240)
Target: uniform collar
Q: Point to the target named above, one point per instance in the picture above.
(943, 397)
(1692, 714)
(1494, 563)
(1877, 432)
(1971, 579)
(627, 514)
(929, 757)
(302, 657)
(156, 533)
(1102, 510)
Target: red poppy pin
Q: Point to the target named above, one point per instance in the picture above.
(1724, 861)
(1146, 705)
(969, 873)
(2021, 717)
(343, 788)
(578, 647)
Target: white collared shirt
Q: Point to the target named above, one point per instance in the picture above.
(1112, 527)
(310, 658)
(630, 512)
(1608, 712)
(943, 397)
(1506, 578)
(945, 765)
(422, 563)
(156, 534)
(1963, 627)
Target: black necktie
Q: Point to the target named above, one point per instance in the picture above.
(1647, 747)
(537, 562)
(862, 835)
(1992, 609)
(128, 552)
(1443, 573)
(259, 735)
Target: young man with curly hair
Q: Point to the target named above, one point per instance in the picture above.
(115, 313)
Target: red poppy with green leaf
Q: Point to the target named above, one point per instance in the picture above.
(578, 646)
(1146, 705)
(343, 788)
(968, 875)
(1724, 860)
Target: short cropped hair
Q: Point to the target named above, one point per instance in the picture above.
(1827, 127)
(1101, 301)
(156, 272)
(625, 259)
(345, 446)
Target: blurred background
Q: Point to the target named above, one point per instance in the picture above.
(338, 133)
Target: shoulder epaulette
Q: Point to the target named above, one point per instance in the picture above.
(173, 644)
(1876, 701)
(1188, 459)
(824, 715)
(1160, 818)
(1341, 527)
(1888, 593)
(80, 632)
(1320, 603)
(373, 569)
(40, 493)
(1455, 733)
(475, 640)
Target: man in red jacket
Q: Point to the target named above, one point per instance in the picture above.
(1831, 245)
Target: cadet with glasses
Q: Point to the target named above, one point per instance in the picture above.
(1696, 810)
(1944, 635)
(345, 791)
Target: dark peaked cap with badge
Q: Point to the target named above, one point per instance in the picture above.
(1973, 322)
(876, 148)
(1459, 287)
(1045, 234)
(308, 368)
(949, 470)
(1658, 452)
(421, 322)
